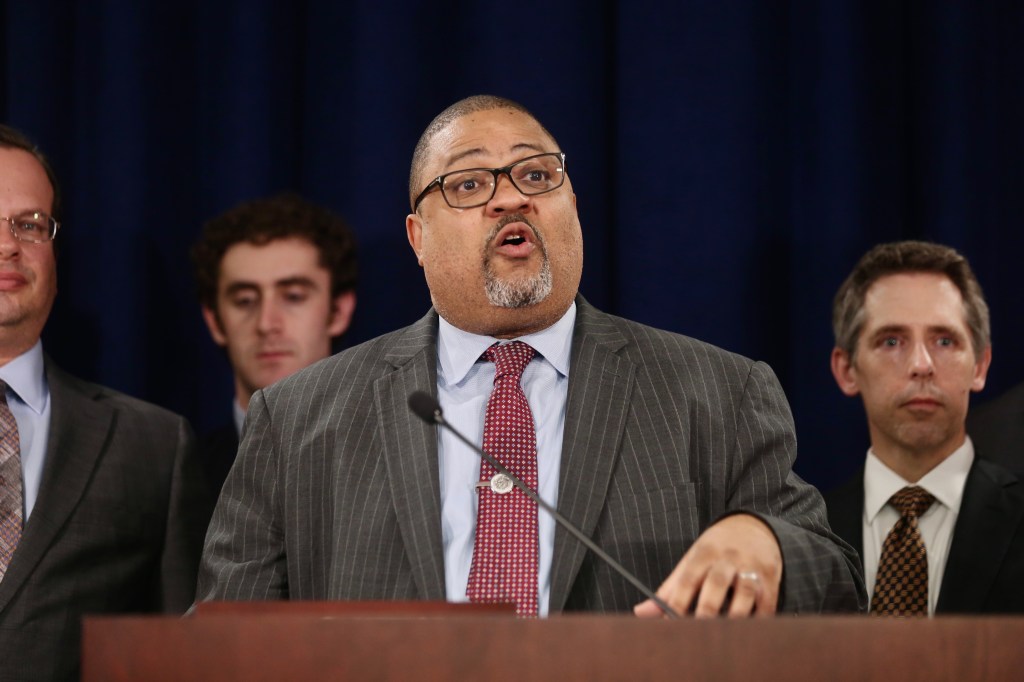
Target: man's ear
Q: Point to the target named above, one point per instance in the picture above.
(342, 307)
(981, 369)
(414, 231)
(213, 324)
(844, 372)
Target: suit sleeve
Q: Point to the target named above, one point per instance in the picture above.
(244, 556)
(187, 515)
(821, 573)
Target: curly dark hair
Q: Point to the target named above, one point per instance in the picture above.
(10, 138)
(264, 220)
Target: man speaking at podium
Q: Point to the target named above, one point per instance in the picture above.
(673, 456)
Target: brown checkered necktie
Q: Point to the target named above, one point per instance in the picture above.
(505, 551)
(11, 500)
(901, 586)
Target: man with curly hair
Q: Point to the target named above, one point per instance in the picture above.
(276, 280)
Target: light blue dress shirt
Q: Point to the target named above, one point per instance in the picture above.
(463, 387)
(28, 396)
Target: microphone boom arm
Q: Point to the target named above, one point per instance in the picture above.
(431, 412)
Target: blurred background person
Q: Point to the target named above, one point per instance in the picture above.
(997, 428)
(276, 280)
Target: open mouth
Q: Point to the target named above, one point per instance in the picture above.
(514, 234)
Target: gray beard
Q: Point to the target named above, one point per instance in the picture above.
(520, 293)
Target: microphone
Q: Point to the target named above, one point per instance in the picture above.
(426, 407)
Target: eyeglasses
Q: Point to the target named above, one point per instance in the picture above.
(33, 227)
(476, 186)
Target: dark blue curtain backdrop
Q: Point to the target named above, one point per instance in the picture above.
(732, 160)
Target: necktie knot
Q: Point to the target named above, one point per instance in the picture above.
(912, 501)
(510, 359)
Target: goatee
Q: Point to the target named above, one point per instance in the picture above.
(517, 293)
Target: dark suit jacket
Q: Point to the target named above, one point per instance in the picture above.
(335, 492)
(997, 429)
(117, 526)
(216, 452)
(985, 566)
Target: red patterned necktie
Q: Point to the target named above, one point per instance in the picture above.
(505, 551)
(11, 514)
(901, 586)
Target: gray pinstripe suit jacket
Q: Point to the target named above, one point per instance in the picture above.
(335, 493)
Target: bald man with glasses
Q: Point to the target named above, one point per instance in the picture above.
(675, 457)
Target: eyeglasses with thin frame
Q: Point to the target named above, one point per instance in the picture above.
(474, 187)
(33, 227)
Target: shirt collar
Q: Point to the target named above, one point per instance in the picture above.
(945, 482)
(26, 377)
(238, 414)
(458, 350)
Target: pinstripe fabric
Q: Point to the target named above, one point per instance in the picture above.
(334, 494)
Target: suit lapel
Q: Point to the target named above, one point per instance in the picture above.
(600, 383)
(984, 529)
(410, 453)
(79, 428)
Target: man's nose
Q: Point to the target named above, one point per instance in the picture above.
(507, 197)
(270, 317)
(9, 244)
(921, 363)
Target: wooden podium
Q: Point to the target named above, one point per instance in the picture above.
(398, 641)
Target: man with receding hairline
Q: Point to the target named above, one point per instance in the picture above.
(673, 455)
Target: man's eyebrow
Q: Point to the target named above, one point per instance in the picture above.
(522, 146)
(295, 281)
(945, 329)
(884, 330)
(25, 211)
(236, 287)
(902, 328)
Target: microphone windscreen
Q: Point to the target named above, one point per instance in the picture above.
(425, 406)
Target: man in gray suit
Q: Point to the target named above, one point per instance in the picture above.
(673, 455)
(101, 503)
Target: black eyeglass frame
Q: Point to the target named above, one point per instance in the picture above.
(51, 222)
(438, 182)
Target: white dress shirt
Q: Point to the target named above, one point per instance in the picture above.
(945, 482)
(238, 415)
(464, 385)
